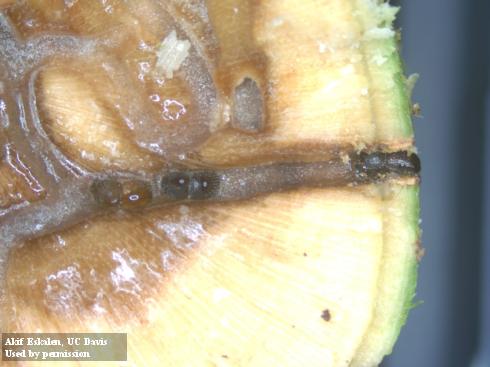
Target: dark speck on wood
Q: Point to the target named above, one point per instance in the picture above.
(326, 315)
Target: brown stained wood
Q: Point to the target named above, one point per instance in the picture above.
(79, 118)
(6, 3)
(17, 184)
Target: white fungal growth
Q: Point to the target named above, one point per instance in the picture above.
(171, 54)
(64, 292)
(123, 276)
(184, 233)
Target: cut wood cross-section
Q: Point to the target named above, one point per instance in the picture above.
(315, 276)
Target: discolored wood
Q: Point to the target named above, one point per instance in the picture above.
(6, 3)
(136, 194)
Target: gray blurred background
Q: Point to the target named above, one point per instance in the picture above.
(447, 42)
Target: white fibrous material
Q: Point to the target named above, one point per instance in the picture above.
(382, 14)
(171, 54)
(379, 33)
(378, 25)
(410, 83)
